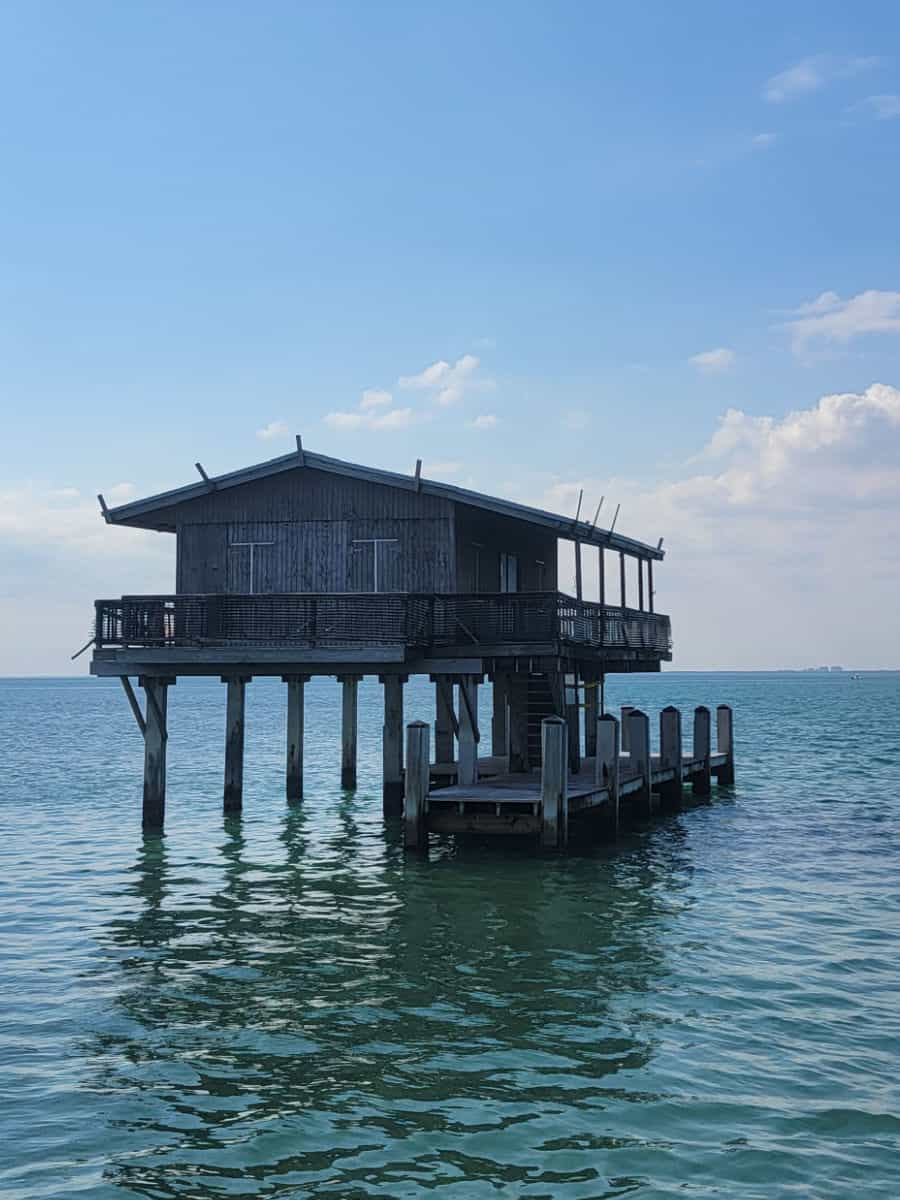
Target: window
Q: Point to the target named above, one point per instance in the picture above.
(379, 564)
(509, 572)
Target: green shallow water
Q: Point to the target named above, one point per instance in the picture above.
(283, 1005)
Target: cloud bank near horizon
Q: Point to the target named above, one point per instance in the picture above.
(781, 536)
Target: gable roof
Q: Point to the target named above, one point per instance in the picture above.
(150, 513)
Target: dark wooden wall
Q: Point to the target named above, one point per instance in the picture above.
(487, 535)
(312, 518)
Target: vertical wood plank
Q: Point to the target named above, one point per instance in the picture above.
(554, 783)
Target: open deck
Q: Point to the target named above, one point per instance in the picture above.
(272, 632)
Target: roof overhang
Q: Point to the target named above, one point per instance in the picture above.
(153, 512)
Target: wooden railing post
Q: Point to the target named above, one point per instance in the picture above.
(725, 743)
(415, 799)
(671, 757)
(700, 751)
(554, 783)
(606, 767)
(639, 752)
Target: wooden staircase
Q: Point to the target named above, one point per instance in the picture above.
(541, 704)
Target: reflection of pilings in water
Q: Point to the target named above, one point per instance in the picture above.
(522, 954)
(336, 1000)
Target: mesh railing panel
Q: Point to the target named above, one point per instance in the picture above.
(360, 619)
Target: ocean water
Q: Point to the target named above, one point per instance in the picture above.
(284, 1005)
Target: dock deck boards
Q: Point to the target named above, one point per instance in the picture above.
(515, 798)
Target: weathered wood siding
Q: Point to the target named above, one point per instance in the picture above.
(312, 518)
(481, 537)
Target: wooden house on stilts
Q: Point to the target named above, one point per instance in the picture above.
(306, 565)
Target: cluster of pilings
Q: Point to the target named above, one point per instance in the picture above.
(613, 768)
(611, 787)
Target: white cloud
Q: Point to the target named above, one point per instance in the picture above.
(828, 318)
(275, 429)
(882, 108)
(447, 382)
(485, 421)
(762, 141)
(121, 492)
(713, 362)
(395, 418)
(812, 74)
(791, 528)
(375, 398)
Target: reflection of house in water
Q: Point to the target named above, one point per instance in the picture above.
(309, 1024)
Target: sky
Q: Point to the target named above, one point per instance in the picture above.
(649, 251)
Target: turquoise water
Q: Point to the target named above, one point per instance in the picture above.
(282, 1005)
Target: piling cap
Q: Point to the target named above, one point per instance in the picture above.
(553, 721)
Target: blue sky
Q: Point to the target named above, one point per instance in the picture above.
(220, 219)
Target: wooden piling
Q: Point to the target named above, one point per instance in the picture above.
(392, 745)
(155, 740)
(573, 721)
(725, 743)
(554, 783)
(233, 793)
(625, 726)
(639, 752)
(517, 700)
(671, 791)
(499, 722)
(294, 760)
(591, 712)
(700, 752)
(606, 767)
(445, 718)
(415, 829)
(467, 766)
(349, 729)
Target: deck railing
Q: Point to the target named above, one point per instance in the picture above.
(349, 619)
